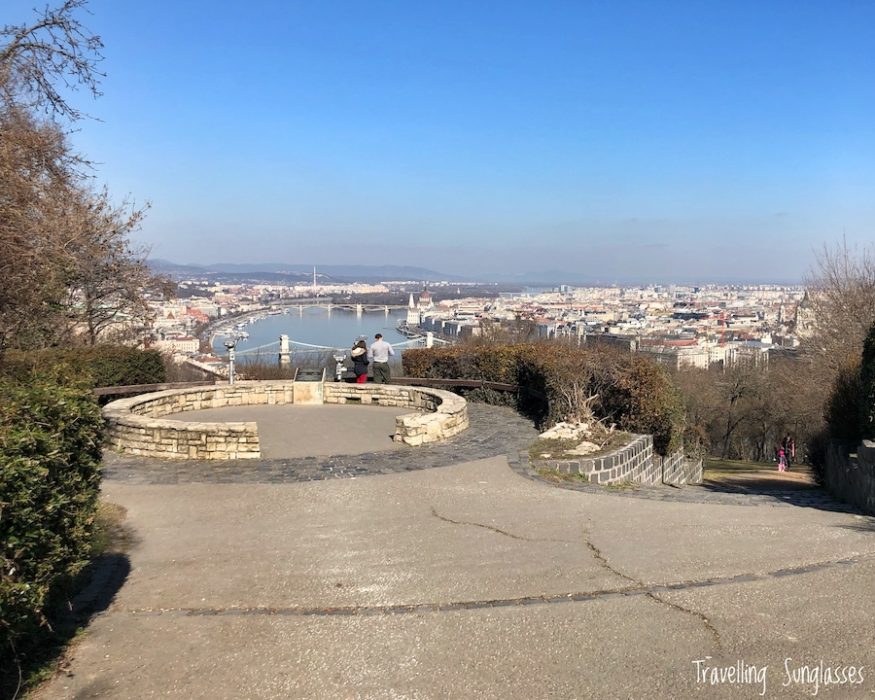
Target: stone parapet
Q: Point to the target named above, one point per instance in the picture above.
(444, 413)
(138, 425)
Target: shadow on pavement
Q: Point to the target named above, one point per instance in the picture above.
(866, 524)
(795, 487)
(94, 590)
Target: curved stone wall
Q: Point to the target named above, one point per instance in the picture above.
(443, 415)
(138, 425)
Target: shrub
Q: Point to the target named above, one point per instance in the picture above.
(844, 405)
(98, 365)
(642, 398)
(492, 363)
(50, 438)
(816, 448)
(556, 382)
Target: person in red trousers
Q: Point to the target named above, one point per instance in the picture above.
(360, 362)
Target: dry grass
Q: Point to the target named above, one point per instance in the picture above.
(559, 477)
(110, 535)
(561, 449)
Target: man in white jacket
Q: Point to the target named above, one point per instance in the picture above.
(380, 352)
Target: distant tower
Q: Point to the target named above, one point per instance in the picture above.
(413, 316)
(425, 302)
(314, 280)
(804, 317)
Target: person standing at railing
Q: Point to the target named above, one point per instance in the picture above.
(380, 352)
(359, 355)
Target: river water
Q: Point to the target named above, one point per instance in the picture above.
(315, 326)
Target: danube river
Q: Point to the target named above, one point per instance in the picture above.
(316, 326)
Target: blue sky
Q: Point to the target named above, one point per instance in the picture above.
(615, 140)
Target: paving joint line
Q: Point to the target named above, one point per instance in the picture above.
(642, 589)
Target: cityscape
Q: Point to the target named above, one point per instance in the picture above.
(678, 326)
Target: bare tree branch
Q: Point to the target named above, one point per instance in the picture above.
(55, 49)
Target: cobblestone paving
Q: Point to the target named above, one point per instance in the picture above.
(493, 431)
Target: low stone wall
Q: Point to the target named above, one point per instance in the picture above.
(677, 469)
(631, 463)
(634, 463)
(445, 413)
(852, 479)
(137, 425)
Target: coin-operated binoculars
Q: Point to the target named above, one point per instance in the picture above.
(230, 345)
(339, 369)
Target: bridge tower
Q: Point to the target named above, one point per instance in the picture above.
(358, 310)
(285, 355)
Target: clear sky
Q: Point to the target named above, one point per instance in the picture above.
(615, 140)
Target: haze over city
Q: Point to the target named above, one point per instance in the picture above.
(619, 142)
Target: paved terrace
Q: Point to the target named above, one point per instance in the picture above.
(451, 572)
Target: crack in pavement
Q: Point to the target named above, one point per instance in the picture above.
(497, 530)
(649, 593)
(634, 589)
(689, 611)
(600, 558)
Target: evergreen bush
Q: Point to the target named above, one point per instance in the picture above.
(96, 365)
(50, 448)
(844, 405)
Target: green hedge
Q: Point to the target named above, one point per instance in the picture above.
(632, 391)
(98, 365)
(50, 448)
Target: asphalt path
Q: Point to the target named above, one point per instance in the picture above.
(473, 581)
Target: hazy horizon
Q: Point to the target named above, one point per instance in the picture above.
(530, 278)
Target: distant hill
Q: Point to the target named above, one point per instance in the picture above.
(339, 273)
(167, 267)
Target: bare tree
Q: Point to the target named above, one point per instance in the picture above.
(66, 262)
(37, 183)
(506, 332)
(842, 287)
(37, 57)
(107, 276)
(702, 404)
